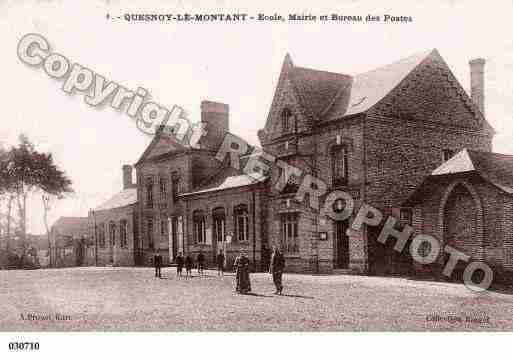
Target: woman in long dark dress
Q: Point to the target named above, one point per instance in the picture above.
(243, 283)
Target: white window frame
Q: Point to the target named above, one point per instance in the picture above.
(290, 232)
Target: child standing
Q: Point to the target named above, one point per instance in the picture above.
(179, 264)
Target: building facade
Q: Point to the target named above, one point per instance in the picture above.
(384, 137)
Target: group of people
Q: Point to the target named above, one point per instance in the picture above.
(241, 265)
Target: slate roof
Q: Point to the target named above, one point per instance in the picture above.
(121, 199)
(227, 180)
(368, 88)
(317, 89)
(494, 167)
(336, 95)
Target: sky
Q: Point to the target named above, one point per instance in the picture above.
(234, 63)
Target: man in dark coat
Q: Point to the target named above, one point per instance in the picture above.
(157, 261)
(277, 266)
(220, 263)
(201, 262)
(179, 264)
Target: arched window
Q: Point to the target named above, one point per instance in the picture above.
(101, 235)
(149, 232)
(240, 214)
(199, 227)
(123, 230)
(175, 184)
(339, 166)
(286, 120)
(112, 234)
(219, 217)
(149, 192)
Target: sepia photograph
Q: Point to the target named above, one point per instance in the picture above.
(193, 168)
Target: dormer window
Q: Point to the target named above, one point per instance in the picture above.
(286, 120)
(447, 154)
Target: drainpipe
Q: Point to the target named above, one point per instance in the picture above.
(254, 231)
(95, 240)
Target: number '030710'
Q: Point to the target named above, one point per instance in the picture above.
(23, 346)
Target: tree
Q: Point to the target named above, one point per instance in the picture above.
(24, 171)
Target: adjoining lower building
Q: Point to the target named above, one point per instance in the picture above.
(467, 204)
(114, 238)
(69, 238)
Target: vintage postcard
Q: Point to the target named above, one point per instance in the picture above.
(173, 166)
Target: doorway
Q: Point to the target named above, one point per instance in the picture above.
(341, 245)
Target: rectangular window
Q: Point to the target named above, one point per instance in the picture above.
(289, 239)
(380, 168)
(241, 223)
(339, 165)
(405, 216)
(219, 219)
(123, 230)
(149, 233)
(163, 189)
(200, 235)
(149, 192)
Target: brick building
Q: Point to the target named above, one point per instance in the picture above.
(191, 202)
(387, 137)
(375, 135)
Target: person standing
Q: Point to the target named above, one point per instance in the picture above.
(276, 269)
(157, 261)
(188, 266)
(201, 262)
(179, 264)
(220, 263)
(242, 280)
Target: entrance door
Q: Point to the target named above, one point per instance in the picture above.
(341, 245)
(174, 237)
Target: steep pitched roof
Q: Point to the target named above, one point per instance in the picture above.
(494, 167)
(317, 89)
(121, 199)
(368, 88)
(334, 95)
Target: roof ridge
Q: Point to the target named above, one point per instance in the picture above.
(323, 71)
(424, 54)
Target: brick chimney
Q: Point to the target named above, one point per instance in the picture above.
(215, 116)
(477, 82)
(127, 177)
